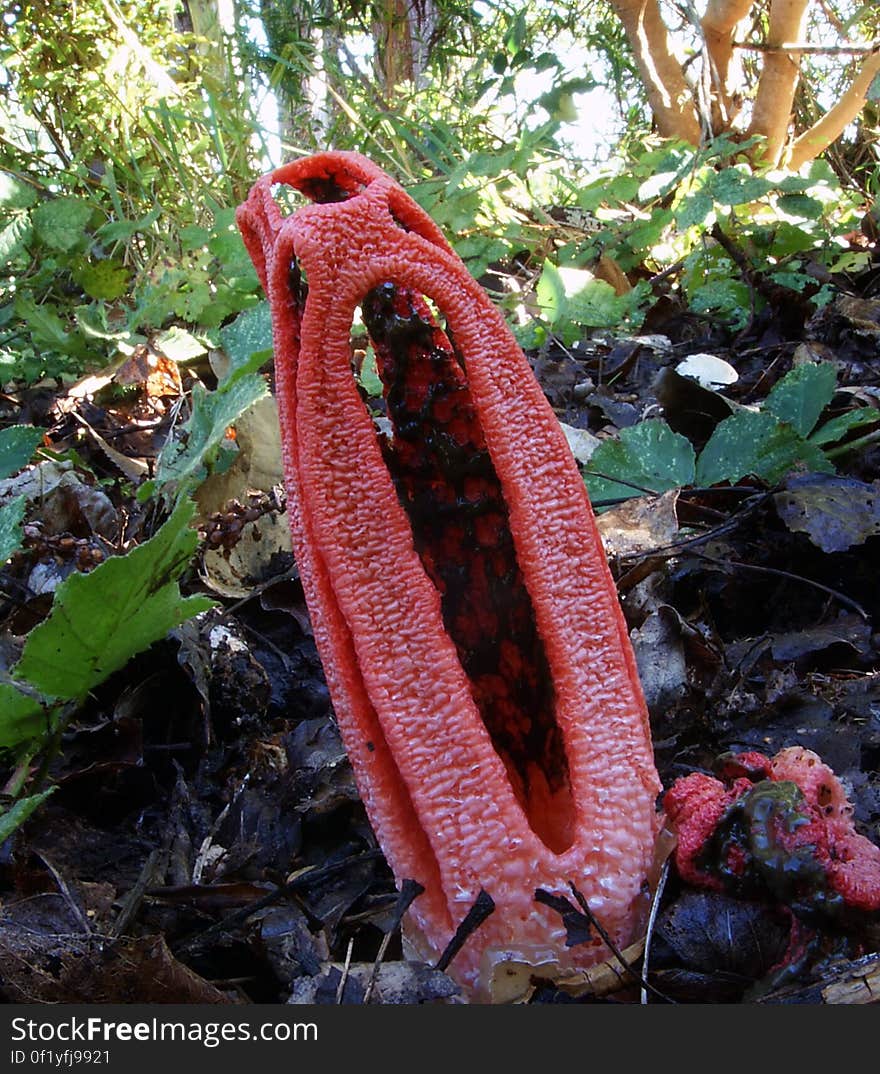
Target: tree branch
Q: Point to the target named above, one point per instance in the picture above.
(811, 143)
(850, 49)
(773, 103)
(718, 25)
(669, 93)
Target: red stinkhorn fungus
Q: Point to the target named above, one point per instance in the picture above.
(782, 827)
(476, 654)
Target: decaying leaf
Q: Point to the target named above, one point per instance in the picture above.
(64, 501)
(640, 525)
(660, 656)
(836, 513)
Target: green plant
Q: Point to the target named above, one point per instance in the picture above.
(17, 445)
(765, 443)
(720, 229)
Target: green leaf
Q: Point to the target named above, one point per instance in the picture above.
(116, 230)
(100, 620)
(735, 186)
(11, 515)
(184, 463)
(248, 341)
(800, 205)
(802, 394)
(179, 345)
(60, 223)
(756, 443)
(550, 293)
(22, 717)
(649, 455)
(725, 298)
(368, 377)
(573, 296)
(837, 428)
(17, 445)
(694, 209)
(14, 237)
(16, 815)
(107, 280)
(597, 305)
(786, 239)
(14, 194)
(48, 329)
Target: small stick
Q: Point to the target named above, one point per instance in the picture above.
(482, 908)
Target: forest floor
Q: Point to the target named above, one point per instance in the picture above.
(207, 843)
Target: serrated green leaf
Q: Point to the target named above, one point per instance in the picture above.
(248, 341)
(794, 281)
(17, 445)
(184, 463)
(694, 209)
(189, 305)
(60, 223)
(756, 443)
(101, 619)
(573, 296)
(22, 717)
(802, 394)
(597, 305)
(193, 237)
(227, 245)
(787, 239)
(648, 455)
(13, 818)
(11, 515)
(729, 297)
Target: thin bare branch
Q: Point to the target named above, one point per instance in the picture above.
(849, 49)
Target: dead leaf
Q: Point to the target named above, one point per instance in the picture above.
(660, 656)
(640, 525)
(835, 512)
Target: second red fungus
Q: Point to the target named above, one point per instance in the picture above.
(781, 827)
